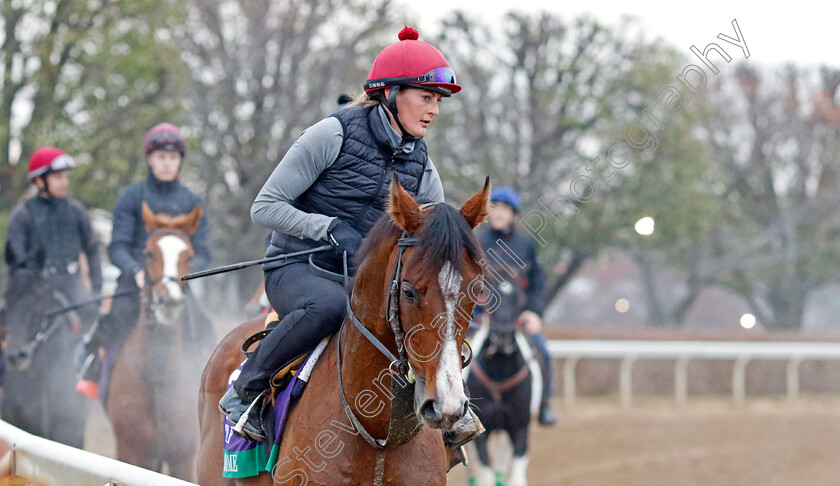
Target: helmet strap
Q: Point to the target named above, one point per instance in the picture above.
(391, 104)
(46, 189)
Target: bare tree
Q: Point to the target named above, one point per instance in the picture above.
(261, 72)
(542, 97)
(776, 144)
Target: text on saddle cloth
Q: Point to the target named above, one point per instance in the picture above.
(243, 458)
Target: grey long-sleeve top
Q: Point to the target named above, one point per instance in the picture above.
(313, 152)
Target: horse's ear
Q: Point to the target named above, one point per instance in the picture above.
(193, 219)
(475, 210)
(149, 218)
(403, 209)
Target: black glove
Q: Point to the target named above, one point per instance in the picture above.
(343, 237)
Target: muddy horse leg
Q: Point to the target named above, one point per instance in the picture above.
(66, 408)
(23, 402)
(130, 408)
(519, 463)
(480, 462)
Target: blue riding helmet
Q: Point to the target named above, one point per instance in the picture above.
(507, 195)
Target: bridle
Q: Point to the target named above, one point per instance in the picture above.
(21, 357)
(403, 424)
(506, 332)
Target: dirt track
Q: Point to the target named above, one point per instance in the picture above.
(709, 443)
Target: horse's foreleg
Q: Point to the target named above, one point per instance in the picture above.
(479, 468)
(518, 472)
(66, 409)
(502, 454)
(182, 462)
(519, 463)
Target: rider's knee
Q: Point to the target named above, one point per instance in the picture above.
(330, 310)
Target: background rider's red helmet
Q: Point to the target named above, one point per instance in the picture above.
(412, 63)
(48, 159)
(165, 136)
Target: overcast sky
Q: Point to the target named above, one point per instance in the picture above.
(806, 32)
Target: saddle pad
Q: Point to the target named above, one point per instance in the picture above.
(242, 458)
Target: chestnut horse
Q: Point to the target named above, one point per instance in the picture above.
(417, 267)
(154, 385)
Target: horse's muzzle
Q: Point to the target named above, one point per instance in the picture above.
(19, 358)
(432, 414)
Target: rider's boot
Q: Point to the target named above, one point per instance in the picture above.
(245, 413)
(87, 362)
(547, 416)
(464, 430)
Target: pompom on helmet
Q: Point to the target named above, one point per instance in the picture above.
(165, 136)
(411, 63)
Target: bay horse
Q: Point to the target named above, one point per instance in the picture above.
(40, 378)
(154, 384)
(417, 267)
(506, 385)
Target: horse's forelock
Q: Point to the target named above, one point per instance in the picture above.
(446, 237)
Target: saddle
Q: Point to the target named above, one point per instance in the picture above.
(242, 458)
(282, 376)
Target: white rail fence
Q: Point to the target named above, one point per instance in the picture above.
(683, 352)
(57, 464)
(38, 458)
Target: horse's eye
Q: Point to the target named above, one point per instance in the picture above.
(409, 292)
(147, 254)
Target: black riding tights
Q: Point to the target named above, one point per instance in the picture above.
(314, 308)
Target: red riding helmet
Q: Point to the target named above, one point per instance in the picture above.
(413, 63)
(165, 136)
(48, 159)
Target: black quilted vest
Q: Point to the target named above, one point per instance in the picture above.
(355, 187)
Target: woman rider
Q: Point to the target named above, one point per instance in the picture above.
(331, 186)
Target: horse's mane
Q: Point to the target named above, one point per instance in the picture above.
(445, 235)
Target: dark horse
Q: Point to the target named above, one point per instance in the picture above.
(40, 378)
(505, 384)
(417, 265)
(153, 392)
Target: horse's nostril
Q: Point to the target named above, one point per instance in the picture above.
(431, 411)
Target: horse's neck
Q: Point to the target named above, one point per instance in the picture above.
(362, 362)
(160, 341)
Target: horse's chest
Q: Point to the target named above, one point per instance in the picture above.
(321, 446)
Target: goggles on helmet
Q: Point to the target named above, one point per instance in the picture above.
(165, 141)
(437, 75)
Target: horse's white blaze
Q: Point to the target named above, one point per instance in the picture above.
(170, 249)
(450, 386)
